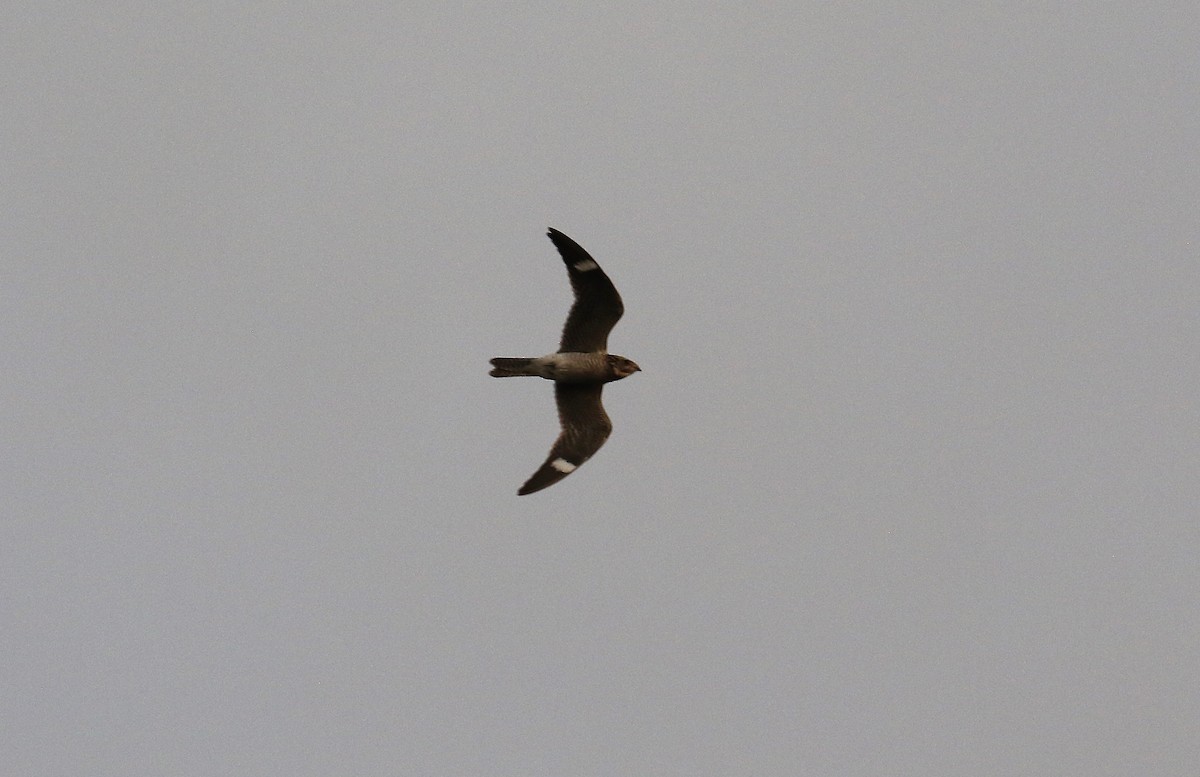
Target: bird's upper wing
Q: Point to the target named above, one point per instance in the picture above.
(585, 427)
(597, 305)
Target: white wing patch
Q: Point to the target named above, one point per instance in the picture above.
(585, 265)
(562, 465)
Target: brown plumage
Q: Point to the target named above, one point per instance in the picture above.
(580, 367)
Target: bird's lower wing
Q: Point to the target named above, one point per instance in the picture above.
(585, 427)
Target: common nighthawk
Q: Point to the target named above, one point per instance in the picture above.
(580, 368)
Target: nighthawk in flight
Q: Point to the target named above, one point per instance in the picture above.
(579, 369)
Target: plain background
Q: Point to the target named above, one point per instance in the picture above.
(908, 486)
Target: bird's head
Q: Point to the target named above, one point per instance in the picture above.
(622, 367)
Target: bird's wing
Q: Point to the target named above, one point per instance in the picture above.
(585, 427)
(597, 305)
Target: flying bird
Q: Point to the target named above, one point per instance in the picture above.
(579, 369)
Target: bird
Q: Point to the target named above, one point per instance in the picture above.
(580, 367)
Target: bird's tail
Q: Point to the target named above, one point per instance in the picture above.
(507, 368)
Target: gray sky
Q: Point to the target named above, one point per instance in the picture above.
(908, 485)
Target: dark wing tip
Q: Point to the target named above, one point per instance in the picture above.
(546, 476)
(566, 245)
(561, 241)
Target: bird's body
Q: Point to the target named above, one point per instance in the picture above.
(570, 367)
(579, 369)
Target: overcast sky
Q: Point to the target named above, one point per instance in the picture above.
(909, 484)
